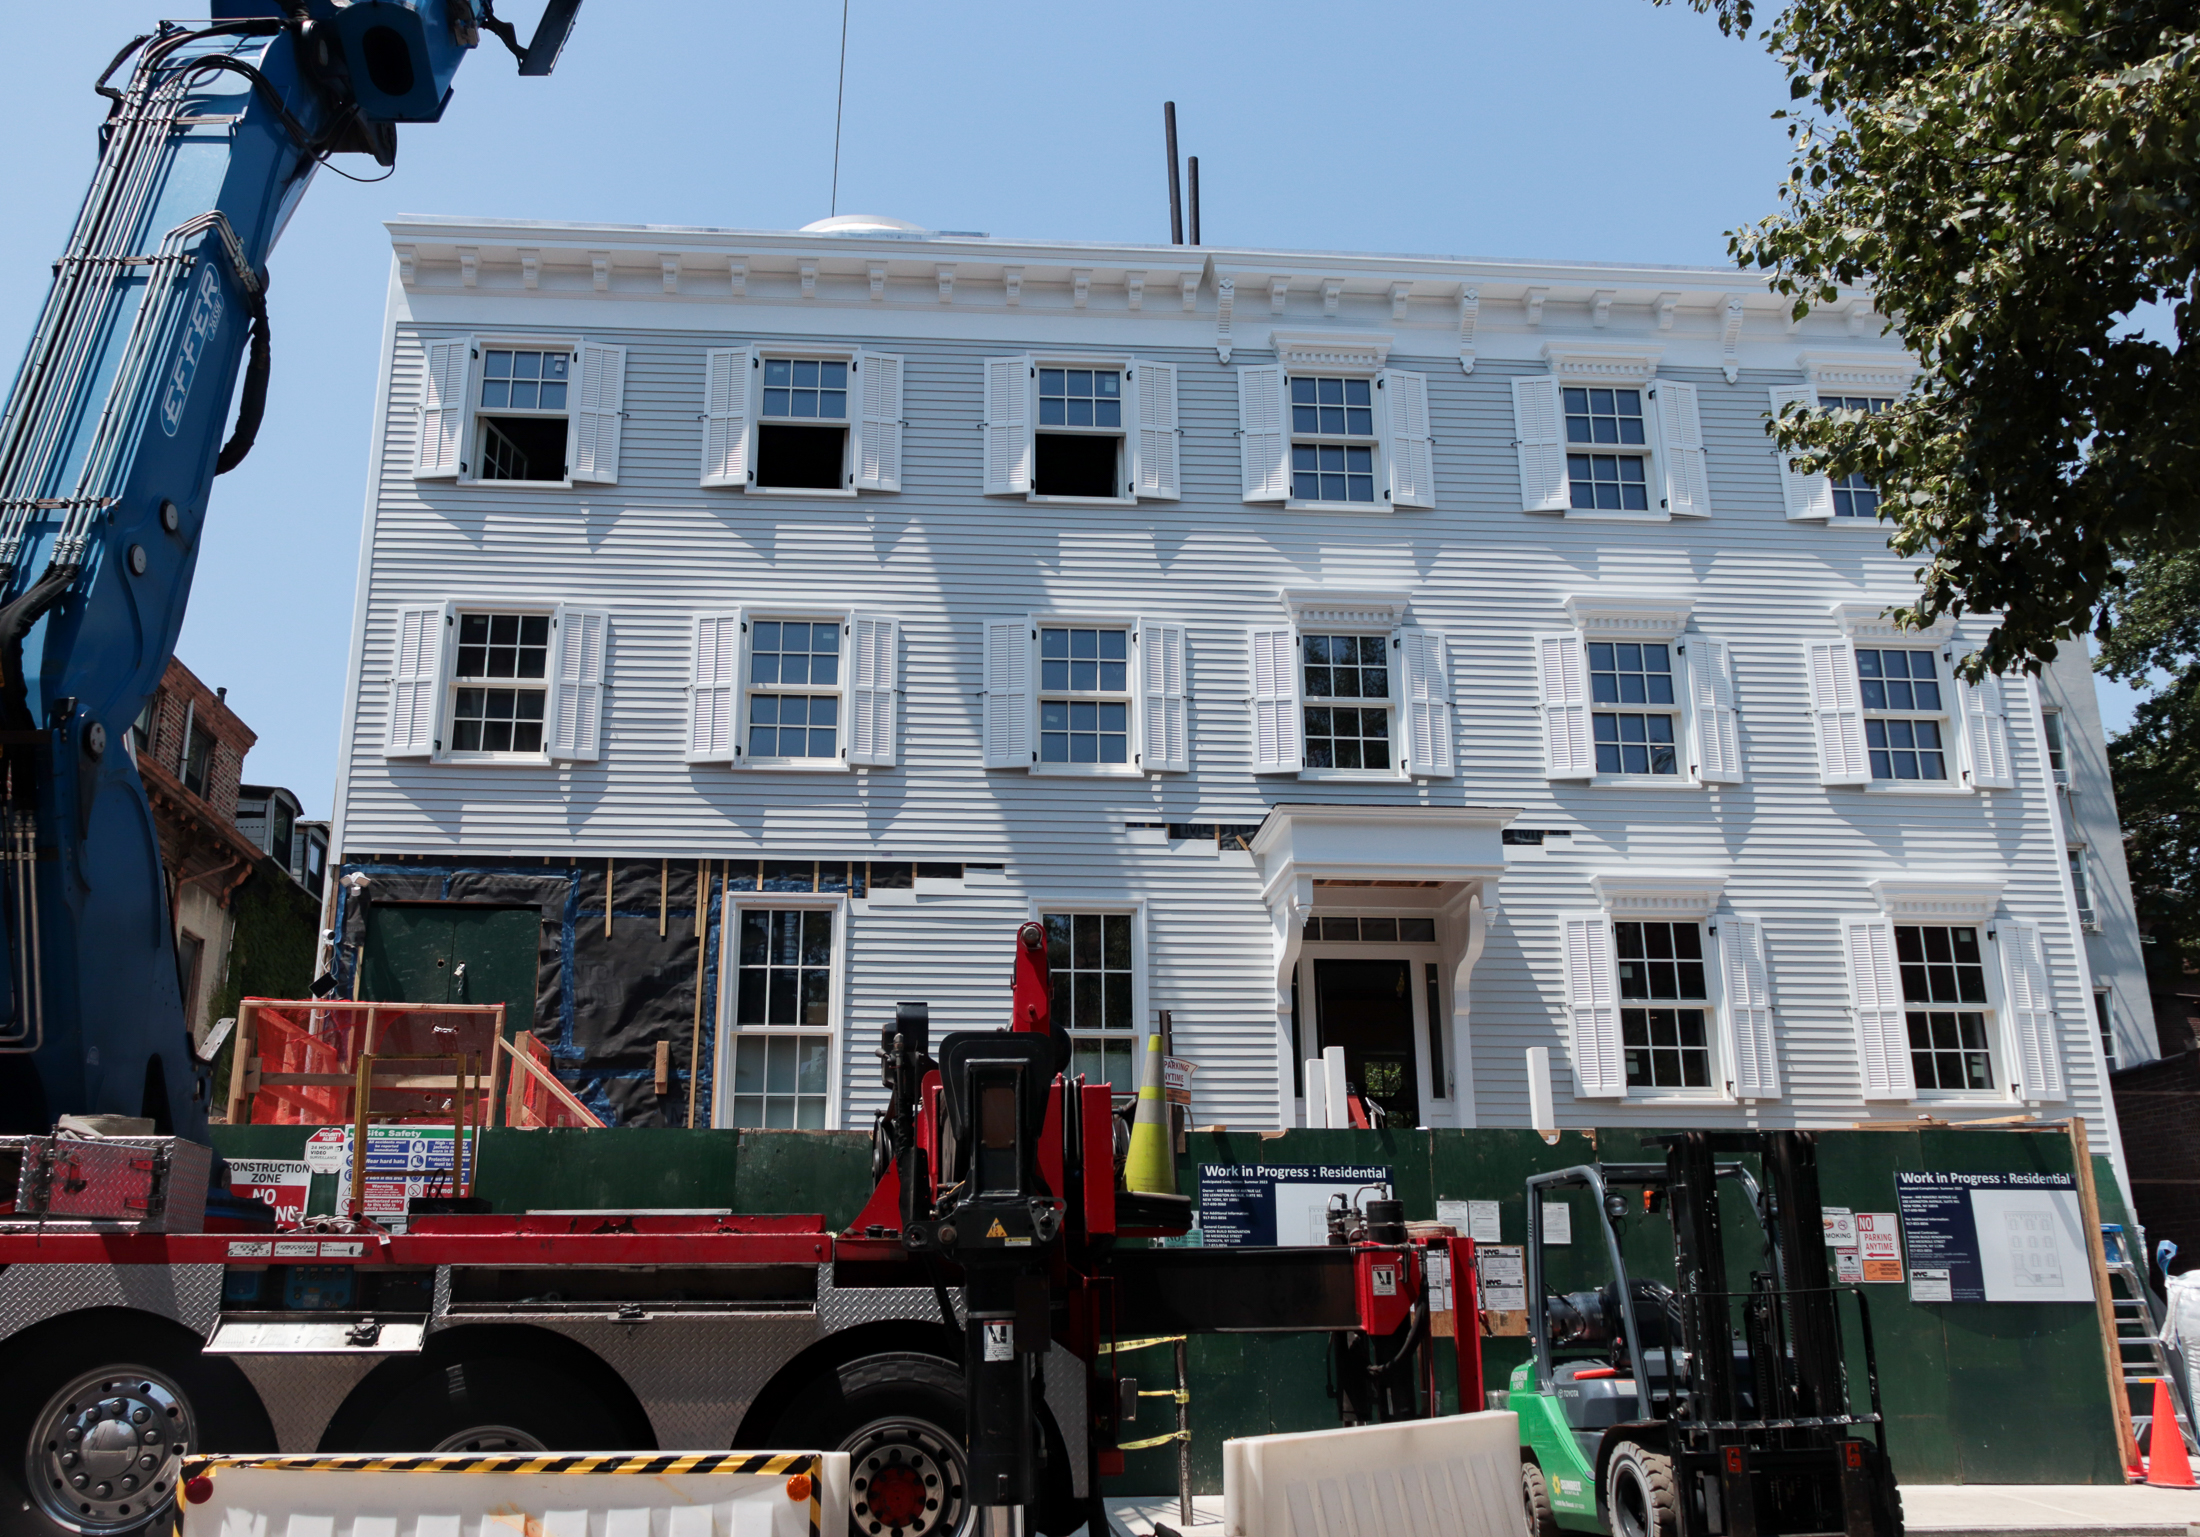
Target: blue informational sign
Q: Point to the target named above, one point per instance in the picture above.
(1265, 1204)
(1993, 1237)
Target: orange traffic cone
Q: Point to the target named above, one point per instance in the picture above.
(2167, 1465)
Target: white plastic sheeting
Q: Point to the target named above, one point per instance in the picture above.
(1453, 1477)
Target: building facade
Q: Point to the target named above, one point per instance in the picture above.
(1430, 658)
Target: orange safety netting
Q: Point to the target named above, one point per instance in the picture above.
(297, 1060)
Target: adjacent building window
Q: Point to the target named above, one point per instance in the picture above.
(802, 425)
(198, 760)
(499, 682)
(2104, 1015)
(1332, 439)
(1663, 1005)
(1621, 674)
(522, 422)
(2081, 887)
(1078, 449)
(1347, 700)
(141, 729)
(1084, 694)
(1607, 450)
(1944, 998)
(782, 1015)
(1904, 720)
(2051, 725)
(1853, 495)
(794, 689)
(1089, 956)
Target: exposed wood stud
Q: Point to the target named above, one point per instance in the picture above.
(664, 1068)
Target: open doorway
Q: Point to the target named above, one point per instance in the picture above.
(1366, 1007)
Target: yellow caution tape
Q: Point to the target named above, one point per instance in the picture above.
(1151, 1441)
(1178, 1394)
(1118, 1347)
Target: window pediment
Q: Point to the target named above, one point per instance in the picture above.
(1679, 896)
(1603, 362)
(1869, 622)
(1353, 610)
(1625, 616)
(1325, 349)
(1943, 900)
(1841, 373)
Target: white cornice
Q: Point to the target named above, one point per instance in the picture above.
(1603, 362)
(1869, 621)
(1838, 371)
(1330, 349)
(1317, 606)
(1633, 616)
(1677, 895)
(1945, 899)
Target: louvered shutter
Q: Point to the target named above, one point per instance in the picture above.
(1007, 426)
(1986, 735)
(1425, 703)
(1274, 659)
(1592, 995)
(1680, 427)
(2034, 1046)
(873, 675)
(728, 372)
(1839, 712)
(1718, 727)
(1156, 474)
(1808, 496)
(416, 681)
(714, 689)
(1882, 1038)
(1748, 981)
(576, 683)
(1264, 444)
(878, 439)
(1164, 705)
(1537, 425)
(1408, 445)
(600, 410)
(1008, 696)
(1562, 668)
(438, 446)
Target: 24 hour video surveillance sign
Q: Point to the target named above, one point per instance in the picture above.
(1994, 1237)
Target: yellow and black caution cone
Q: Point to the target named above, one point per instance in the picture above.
(1151, 1166)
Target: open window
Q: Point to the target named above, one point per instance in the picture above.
(815, 420)
(532, 410)
(1080, 428)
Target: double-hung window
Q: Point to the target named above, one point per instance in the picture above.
(2081, 887)
(786, 689)
(1080, 428)
(1635, 712)
(802, 425)
(1891, 715)
(1092, 959)
(1607, 450)
(1904, 718)
(813, 420)
(1860, 383)
(1328, 426)
(775, 1059)
(1945, 1007)
(1632, 694)
(1081, 694)
(497, 682)
(1351, 691)
(1603, 435)
(2058, 765)
(2104, 1017)
(1665, 1005)
(1348, 708)
(535, 410)
(1854, 496)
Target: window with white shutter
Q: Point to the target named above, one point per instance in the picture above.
(1839, 714)
(1536, 437)
(1273, 666)
(1562, 672)
(1716, 723)
(527, 398)
(577, 686)
(1425, 700)
(1747, 976)
(1164, 702)
(795, 705)
(1986, 735)
(438, 444)
(1263, 445)
(878, 440)
(728, 373)
(1008, 390)
(1809, 497)
(598, 413)
(2031, 1038)
(873, 674)
(1687, 481)
(805, 403)
(1875, 991)
(1008, 723)
(714, 689)
(1408, 446)
(1585, 941)
(506, 664)
(416, 681)
(1158, 476)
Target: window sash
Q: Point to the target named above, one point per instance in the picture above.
(745, 726)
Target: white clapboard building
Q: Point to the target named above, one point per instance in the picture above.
(1427, 657)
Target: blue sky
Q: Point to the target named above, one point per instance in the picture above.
(1603, 130)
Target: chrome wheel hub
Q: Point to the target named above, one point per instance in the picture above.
(492, 1439)
(905, 1480)
(104, 1451)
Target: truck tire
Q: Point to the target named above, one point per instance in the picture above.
(1640, 1496)
(1535, 1497)
(492, 1403)
(900, 1419)
(114, 1402)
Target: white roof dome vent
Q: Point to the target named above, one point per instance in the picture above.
(871, 224)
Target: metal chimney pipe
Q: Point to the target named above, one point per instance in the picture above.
(1194, 165)
(1176, 192)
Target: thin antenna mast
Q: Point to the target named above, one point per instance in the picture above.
(840, 101)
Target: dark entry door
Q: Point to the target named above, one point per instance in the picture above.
(1367, 1008)
(452, 952)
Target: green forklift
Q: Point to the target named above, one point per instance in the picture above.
(1696, 1410)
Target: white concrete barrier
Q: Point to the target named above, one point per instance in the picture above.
(711, 1494)
(1453, 1477)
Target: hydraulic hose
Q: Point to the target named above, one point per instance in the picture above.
(16, 620)
(252, 406)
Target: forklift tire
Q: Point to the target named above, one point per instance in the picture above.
(1535, 1495)
(1640, 1495)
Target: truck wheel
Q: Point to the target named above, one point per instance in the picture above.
(1640, 1493)
(492, 1404)
(899, 1418)
(1535, 1495)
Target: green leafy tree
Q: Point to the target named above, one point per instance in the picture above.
(2016, 182)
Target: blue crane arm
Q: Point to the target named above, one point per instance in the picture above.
(109, 445)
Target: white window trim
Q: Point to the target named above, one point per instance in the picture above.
(2080, 858)
(762, 352)
(1142, 1022)
(1618, 617)
(1958, 902)
(794, 614)
(1416, 953)
(2105, 1032)
(1674, 898)
(447, 678)
(1360, 357)
(1848, 373)
(1865, 626)
(1126, 438)
(1589, 365)
(469, 445)
(729, 925)
(1133, 696)
(1319, 611)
